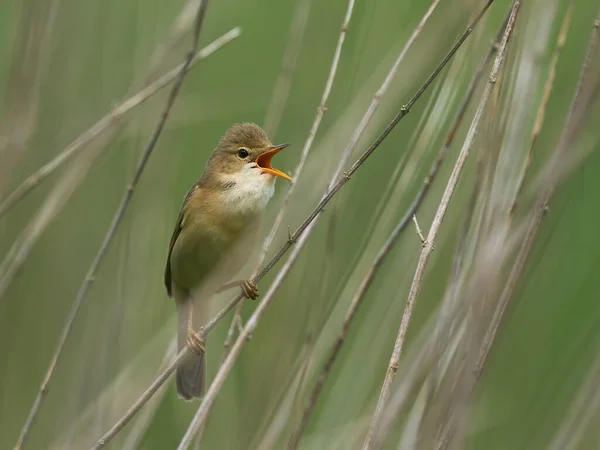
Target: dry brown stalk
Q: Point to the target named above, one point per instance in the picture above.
(433, 231)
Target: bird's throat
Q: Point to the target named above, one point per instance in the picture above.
(247, 191)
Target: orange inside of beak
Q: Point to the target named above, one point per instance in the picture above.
(264, 162)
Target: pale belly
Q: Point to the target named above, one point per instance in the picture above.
(206, 259)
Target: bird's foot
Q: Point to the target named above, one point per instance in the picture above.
(249, 289)
(195, 342)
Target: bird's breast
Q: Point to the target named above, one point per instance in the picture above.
(218, 224)
(206, 243)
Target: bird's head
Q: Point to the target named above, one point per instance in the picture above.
(245, 152)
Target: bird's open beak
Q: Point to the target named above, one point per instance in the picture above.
(264, 161)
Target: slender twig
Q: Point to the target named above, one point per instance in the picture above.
(236, 324)
(366, 119)
(288, 65)
(433, 231)
(433, 346)
(225, 368)
(304, 154)
(117, 219)
(384, 251)
(585, 68)
(418, 229)
(541, 113)
(437, 342)
(109, 119)
(376, 100)
(356, 302)
(313, 131)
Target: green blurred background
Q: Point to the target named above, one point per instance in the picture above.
(65, 63)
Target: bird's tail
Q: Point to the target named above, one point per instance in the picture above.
(191, 373)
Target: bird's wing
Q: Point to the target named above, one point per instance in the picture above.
(176, 232)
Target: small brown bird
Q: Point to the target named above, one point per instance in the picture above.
(214, 234)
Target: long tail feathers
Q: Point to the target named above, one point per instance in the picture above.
(191, 374)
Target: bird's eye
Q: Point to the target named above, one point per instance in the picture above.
(242, 153)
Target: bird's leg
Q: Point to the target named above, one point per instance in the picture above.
(195, 341)
(249, 288)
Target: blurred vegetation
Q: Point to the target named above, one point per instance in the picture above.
(65, 63)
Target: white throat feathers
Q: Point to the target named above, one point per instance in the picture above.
(247, 191)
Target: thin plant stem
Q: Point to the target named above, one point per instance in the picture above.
(364, 122)
(433, 231)
(107, 121)
(313, 132)
(376, 100)
(366, 119)
(301, 237)
(586, 67)
(117, 219)
(304, 154)
(428, 360)
(236, 323)
(388, 245)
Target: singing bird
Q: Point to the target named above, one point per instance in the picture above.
(214, 234)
